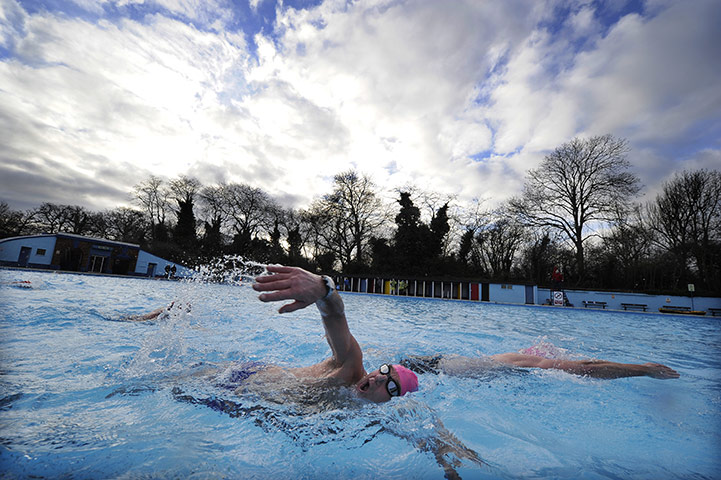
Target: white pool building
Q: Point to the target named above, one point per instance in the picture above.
(77, 253)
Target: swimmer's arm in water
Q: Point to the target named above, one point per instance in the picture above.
(590, 368)
(161, 312)
(446, 448)
(150, 315)
(305, 288)
(448, 451)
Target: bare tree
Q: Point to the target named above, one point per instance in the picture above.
(55, 218)
(298, 230)
(543, 250)
(309, 234)
(14, 222)
(628, 247)
(211, 205)
(153, 196)
(499, 240)
(472, 219)
(580, 182)
(50, 218)
(250, 210)
(686, 216)
(78, 219)
(348, 217)
(329, 237)
(184, 189)
(126, 224)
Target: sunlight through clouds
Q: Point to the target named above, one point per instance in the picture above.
(459, 99)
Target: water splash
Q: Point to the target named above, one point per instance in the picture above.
(163, 349)
(545, 349)
(170, 345)
(229, 269)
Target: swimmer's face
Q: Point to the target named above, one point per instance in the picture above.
(374, 386)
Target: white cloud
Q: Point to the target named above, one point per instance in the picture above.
(254, 3)
(207, 12)
(145, 94)
(12, 20)
(583, 23)
(652, 81)
(653, 78)
(405, 91)
(401, 78)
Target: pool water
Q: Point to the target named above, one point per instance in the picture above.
(84, 395)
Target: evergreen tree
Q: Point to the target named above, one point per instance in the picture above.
(465, 247)
(382, 255)
(212, 242)
(184, 231)
(277, 255)
(410, 243)
(294, 246)
(439, 230)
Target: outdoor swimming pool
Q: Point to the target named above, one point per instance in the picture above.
(83, 396)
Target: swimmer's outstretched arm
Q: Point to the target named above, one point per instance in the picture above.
(157, 313)
(306, 288)
(590, 368)
(150, 315)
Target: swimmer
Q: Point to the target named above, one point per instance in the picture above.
(345, 366)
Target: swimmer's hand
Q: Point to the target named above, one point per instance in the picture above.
(656, 370)
(290, 283)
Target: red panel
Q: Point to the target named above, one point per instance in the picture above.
(474, 291)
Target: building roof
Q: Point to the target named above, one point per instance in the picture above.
(74, 236)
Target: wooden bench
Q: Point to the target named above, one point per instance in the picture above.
(715, 311)
(594, 304)
(634, 306)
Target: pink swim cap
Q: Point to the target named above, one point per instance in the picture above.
(408, 379)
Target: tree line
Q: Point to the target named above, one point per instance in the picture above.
(577, 213)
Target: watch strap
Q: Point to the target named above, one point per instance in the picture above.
(329, 285)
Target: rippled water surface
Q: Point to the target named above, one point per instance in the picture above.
(84, 395)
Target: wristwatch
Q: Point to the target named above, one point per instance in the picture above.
(329, 285)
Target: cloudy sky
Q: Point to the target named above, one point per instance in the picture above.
(455, 96)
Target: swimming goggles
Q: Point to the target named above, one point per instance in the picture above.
(391, 386)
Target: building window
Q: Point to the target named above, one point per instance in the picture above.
(40, 252)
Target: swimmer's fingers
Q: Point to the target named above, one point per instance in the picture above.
(290, 283)
(271, 278)
(277, 272)
(657, 370)
(292, 307)
(280, 269)
(266, 284)
(275, 296)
